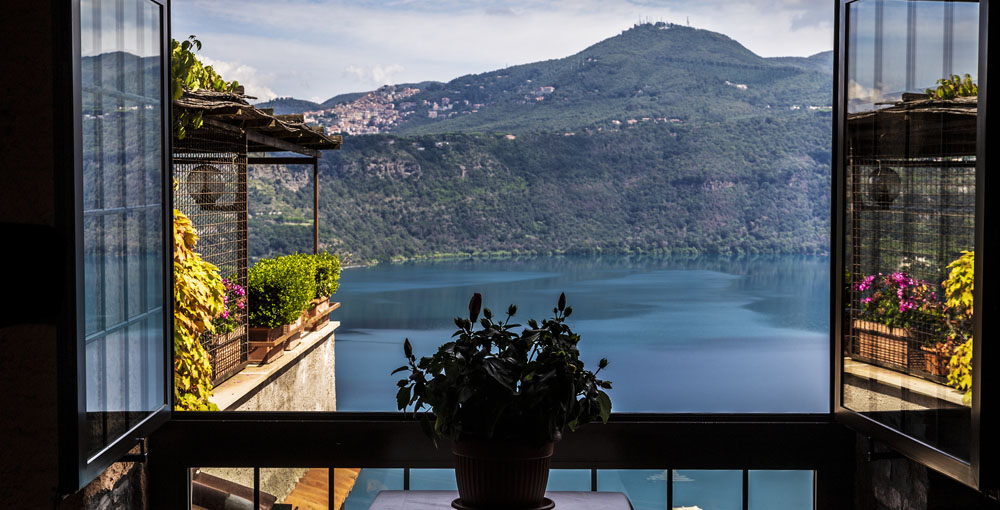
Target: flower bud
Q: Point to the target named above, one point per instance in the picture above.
(475, 304)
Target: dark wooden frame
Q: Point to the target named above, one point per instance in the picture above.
(75, 469)
(979, 471)
(390, 440)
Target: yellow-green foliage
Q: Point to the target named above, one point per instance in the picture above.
(954, 86)
(960, 370)
(188, 73)
(198, 291)
(958, 294)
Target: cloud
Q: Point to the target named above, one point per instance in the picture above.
(254, 82)
(308, 44)
(377, 75)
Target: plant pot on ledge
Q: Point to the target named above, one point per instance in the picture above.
(882, 344)
(317, 306)
(936, 358)
(502, 475)
(268, 344)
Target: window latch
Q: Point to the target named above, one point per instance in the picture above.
(137, 457)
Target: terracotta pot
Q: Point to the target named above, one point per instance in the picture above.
(885, 345)
(501, 475)
(317, 306)
(935, 362)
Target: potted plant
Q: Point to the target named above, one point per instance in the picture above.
(326, 271)
(504, 398)
(898, 315)
(278, 290)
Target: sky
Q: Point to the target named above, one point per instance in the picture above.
(315, 49)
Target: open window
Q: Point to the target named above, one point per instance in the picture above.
(116, 365)
(909, 187)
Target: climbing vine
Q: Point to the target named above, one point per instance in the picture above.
(958, 294)
(198, 298)
(954, 86)
(188, 73)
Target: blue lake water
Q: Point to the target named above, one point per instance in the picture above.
(711, 334)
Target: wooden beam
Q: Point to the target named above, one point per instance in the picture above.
(262, 139)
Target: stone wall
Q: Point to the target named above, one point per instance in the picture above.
(307, 385)
(901, 484)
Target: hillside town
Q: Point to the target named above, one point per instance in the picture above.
(375, 112)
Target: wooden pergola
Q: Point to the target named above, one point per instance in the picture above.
(265, 132)
(210, 174)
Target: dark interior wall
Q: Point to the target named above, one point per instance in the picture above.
(901, 484)
(31, 165)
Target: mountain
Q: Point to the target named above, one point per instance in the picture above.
(662, 139)
(651, 70)
(821, 62)
(286, 105)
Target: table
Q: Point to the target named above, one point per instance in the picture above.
(441, 500)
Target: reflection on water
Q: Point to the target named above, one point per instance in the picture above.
(702, 334)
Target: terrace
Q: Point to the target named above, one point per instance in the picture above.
(112, 393)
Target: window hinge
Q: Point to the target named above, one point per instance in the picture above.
(871, 455)
(136, 457)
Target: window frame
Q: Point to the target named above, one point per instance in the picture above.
(976, 472)
(76, 470)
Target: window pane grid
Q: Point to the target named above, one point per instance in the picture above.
(122, 215)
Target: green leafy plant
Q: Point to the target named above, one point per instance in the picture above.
(495, 383)
(198, 298)
(188, 73)
(327, 274)
(958, 293)
(279, 289)
(954, 86)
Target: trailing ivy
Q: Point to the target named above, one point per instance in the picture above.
(198, 298)
(958, 293)
(188, 73)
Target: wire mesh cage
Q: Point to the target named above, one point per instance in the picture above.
(910, 212)
(210, 187)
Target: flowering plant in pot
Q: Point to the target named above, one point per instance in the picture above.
(234, 303)
(504, 398)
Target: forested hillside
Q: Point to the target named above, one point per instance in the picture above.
(748, 185)
(661, 139)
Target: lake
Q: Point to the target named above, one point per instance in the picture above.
(708, 334)
(711, 334)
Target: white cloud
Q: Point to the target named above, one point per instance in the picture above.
(254, 82)
(308, 44)
(377, 75)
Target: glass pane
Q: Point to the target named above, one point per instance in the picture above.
(122, 244)
(708, 490)
(369, 483)
(910, 216)
(568, 480)
(646, 489)
(295, 488)
(780, 490)
(433, 480)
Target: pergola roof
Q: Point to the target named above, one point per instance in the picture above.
(916, 128)
(266, 132)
